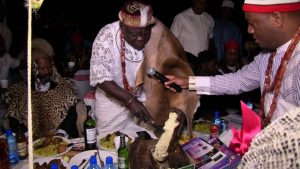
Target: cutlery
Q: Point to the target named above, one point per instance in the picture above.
(101, 162)
(82, 162)
(70, 145)
(85, 164)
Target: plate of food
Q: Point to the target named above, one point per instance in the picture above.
(108, 142)
(45, 163)
(53, 146)
(202, 126)
(184, 137)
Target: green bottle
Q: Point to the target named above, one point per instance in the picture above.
(90, 131)
(123, 160)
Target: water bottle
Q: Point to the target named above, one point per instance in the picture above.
(93, 163)
(217, 119)
(249, 104)
(109, 163)
(12, 147)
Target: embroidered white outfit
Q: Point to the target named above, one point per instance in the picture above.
(193, 31)
(111, 114)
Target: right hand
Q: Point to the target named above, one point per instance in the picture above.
(183, 82)
(139, 110)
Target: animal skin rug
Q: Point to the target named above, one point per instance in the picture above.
(165, 53)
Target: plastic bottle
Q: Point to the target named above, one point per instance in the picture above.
(21, 144)
(93, 163)
(249, 104)
(109, 163)
(74, 167)
(217, 119)
(90, 131)
(12, 147)
(123, 161)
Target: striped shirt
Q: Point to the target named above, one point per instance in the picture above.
(252, 76)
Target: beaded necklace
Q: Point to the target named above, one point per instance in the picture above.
(276, 84)
(123, 64)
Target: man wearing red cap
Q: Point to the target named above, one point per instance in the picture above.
(230, 61)
(275, 26)
(121, 54)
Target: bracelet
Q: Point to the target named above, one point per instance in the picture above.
(192, 83)
(130, 101)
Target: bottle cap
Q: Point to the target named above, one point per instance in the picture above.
(93, 160)
(54, 166)
(109, 160)
(8, 132)
(74, 167)
(216, 114)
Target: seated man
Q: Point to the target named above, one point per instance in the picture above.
(230, 62)
(53, 100)
(207, 66)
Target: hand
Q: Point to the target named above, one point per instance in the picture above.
(183, 82)
(139, 110)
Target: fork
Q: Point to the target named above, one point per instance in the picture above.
(85, 164)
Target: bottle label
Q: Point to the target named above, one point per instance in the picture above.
(214, 131)
(22, 149)
(91, 135)
(121, 162)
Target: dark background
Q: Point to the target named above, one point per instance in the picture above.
(90, 15)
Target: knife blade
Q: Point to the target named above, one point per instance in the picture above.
(82, 162)
(101, 162)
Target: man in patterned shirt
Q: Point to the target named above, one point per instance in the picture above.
(275, 25)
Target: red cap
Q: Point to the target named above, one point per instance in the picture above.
(231, 44)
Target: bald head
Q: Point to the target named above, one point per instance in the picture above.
(272, 29)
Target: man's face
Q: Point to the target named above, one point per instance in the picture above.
(231, 57)
(260, 26)
(209, 68)
(199, 6)
(44, 66)
(136, 37)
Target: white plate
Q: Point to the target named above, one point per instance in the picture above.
(56, 155)
(48, 159)
(77, 159)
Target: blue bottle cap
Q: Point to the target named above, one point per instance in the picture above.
(217, 114)
(74, 167)
(8, 132)
(54, 166)
(109, 160)
(93, 160)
